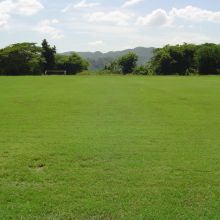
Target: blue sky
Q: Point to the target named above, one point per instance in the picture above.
(91, 25)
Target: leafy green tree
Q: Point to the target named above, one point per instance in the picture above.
(20, 59)
(172, 60)
(48, 56)
(73, 64)
(113, 67)
(208, 59)
(162, 61)
(128, 63)
(189, 61)
(141, 70)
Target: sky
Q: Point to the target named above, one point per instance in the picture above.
(109, 25)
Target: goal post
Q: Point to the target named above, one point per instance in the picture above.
(55, 72)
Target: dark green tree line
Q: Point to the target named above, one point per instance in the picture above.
(186, 59)
(208, 59)
(30, 59)
(20, 59)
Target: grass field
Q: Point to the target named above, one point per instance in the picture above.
(109, 147)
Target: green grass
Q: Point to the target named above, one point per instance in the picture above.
(109, 147)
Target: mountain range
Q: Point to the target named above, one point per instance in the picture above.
(98, 60)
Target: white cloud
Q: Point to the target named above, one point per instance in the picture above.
(28, 7)
(117, 17)
(195, 14)
(4, 20)
(81, 4)
(18, 7)
(129, 3)
(96, 43)
(161, 17)
(158, 17)
(47, 27)
(21, 7)
(85, 4)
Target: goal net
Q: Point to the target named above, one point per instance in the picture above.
(55, 72)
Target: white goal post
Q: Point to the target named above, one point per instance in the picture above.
(55, 72)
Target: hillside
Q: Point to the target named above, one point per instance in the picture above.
(98, 60)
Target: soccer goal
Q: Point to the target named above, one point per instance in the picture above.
(55, 72)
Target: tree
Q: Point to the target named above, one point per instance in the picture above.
(72, 64)
(142, 70)
(172, 60)
(208, 59)
(48, 56)
(189, 61)
(113, 67)
(162, 61)
(20, 59)
(128, 63)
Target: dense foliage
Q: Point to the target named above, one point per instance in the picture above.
(48, 54)
(30, 59)
(186, 59)
(128, 63)
(73, 63)
(20, 59)
(125, 64)
(208, 59)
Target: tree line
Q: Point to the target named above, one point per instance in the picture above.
(186, 59)
(30, 59)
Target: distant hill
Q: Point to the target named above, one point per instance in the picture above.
(98, 60)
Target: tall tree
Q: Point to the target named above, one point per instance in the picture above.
(20, 59)
(73, 63)
(128, 63)
(48, 55)
(162, 61)
(208, 59)
(172, 60)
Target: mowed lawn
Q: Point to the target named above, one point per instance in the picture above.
(109, 147)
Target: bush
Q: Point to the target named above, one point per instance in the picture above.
(73, 64)
(128, 63)
(141, 70)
